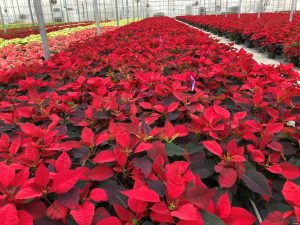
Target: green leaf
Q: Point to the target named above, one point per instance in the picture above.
(147, 223)
(249, 166)
(280, 207)
(114, 195)
(256, 182)
(172, 150)
(211, 219)
(71, 221)
(101, 115)
(204, 169)
(193, 148)
(157, 186)
(2, 88)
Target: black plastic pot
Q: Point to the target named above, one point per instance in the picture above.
(249, 43)
(238, 41)
(279, 49)
(296, 61)
(227, 36)
(271, 55)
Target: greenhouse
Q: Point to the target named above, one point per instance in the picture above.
(150, 112)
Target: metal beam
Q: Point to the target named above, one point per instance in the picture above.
(83, 10)
(133, 11)
(87, 11)
(62, 11)
(293, 9)
(123, 13)
(99, 9)
(240, 8)
(14, 11)
(18, 7)
(51, 10)
(67, 13)
(141, 9)
(137, 9)
(97, 19)
(40, 17)
(2, 19)
(105, 14)
(260, 8)
(78, 10)
(117, 13)
(30, 10)
(127, 11)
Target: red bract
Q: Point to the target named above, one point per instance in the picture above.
(126, 129)
(10, 215)
(178, 176)
(89, 139)
(275, 217)
(232, 215)
(231, 166)
(17, 60)
(188, 214)
(169, 133)
(272, 31)
(24, 32)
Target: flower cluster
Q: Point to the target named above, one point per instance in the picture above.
(152, 123)
(273, 31)
(18, 59)
(26, 31)
(62, 32)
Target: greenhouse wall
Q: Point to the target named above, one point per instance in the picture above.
(17, 11)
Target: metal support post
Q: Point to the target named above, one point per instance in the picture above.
(97, 19)
(83, 10)
(14, 11)
(260, 8)
(127, 11)
(78, 11)
(141, 9)
(99, 10)
(67, 14)
(133, 11)
(137, 11)
(104, 5)
(117, 13)
(62, 11)
(226, 8)
(2, 19)
(30, 10)
(240, 8)
(123, 13)
(18, 6)
(293, 9)
(51, 11)
(87, 11)
(40, 17)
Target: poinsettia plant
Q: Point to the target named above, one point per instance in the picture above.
(165, 128)
(273, 32)
(21, 32)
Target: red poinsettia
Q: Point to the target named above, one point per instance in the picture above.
(138, 130)
(232, 165)
(231, 215)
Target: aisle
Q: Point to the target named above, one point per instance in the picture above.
(257, 56)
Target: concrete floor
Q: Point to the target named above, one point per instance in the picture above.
(257, 56)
